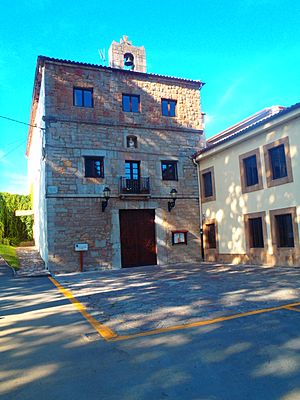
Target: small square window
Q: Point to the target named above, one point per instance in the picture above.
(83, 97)
(179, 237)
(131, 103)
(250, 170)
(94, 167)
(169, 170)
(168, 107)
(207, 185)
(278, 162)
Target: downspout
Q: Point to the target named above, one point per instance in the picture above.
(200, 208)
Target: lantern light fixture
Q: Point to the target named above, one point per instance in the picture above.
(106, 195)
(171, 204)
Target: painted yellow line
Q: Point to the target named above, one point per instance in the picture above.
(202, 323)
(103, 330)
(110, 335)
(292, 309)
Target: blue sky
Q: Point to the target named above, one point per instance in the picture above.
(247, 52)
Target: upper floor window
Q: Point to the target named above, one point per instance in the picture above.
(168, 107)
(278, 162)
(94, 167)
(169, 170)
(131, 103)
(83, 97)
(250, 170)
(207, 185)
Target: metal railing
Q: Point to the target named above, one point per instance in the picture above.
(134, 186)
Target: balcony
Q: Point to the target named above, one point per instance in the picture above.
(134, 187)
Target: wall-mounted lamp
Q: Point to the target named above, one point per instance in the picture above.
(171, 204)
(106, 194)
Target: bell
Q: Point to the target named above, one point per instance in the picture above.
(128, 60)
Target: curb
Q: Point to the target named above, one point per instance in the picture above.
(9, 266)
(39, 275)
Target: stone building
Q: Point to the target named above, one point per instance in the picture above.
(250, 190)
(109, 154)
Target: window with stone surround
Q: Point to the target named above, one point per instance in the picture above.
(131, 103)
(94, 167)
(168, 107)
(169, 170)
(250, 170)
(255, 230)
(284, 227)
(82, 97)
(207, 185)
(278, 162)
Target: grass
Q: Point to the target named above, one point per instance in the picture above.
(10, 256)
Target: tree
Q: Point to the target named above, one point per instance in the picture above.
(14, 229)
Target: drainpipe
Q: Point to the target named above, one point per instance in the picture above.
(200, 208)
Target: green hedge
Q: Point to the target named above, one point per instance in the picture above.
(10, 255)
(14, 229)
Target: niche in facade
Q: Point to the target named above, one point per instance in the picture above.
(131, 141)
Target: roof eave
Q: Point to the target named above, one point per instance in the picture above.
(271, 122)
(119, 70)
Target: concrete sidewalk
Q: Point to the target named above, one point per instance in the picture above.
(148, 298)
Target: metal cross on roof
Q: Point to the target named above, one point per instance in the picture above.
(125, 40)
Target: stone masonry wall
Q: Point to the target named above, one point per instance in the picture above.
(73, 220)
(108, 87)
(74, 201)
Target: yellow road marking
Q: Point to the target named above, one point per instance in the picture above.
(292, 309)
(110, 335)
(202, 323)
(103, 330)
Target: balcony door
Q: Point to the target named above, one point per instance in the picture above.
(137, 233)
(132, 176)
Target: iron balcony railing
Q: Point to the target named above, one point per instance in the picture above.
(134, 186)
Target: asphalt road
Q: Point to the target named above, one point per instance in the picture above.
(49, 351)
